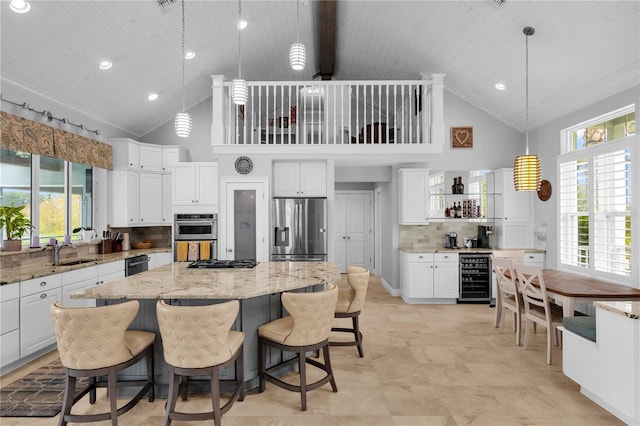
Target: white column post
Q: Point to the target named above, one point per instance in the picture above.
(437, 109)
(218, 111)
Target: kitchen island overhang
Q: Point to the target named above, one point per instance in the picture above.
(258, 290)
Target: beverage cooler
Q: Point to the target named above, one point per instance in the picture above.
(475, 278)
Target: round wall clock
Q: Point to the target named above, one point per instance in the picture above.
(544, 193)
(244, 165)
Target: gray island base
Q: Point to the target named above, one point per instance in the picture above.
(258, 291)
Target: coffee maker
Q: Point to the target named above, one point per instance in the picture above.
(484, 236)
(451, 240)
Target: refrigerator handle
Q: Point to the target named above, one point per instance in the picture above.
(301, 227)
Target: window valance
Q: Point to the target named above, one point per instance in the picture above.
(20, 134)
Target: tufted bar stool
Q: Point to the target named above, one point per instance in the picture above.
(350, 304)
(198, 340)
(95, 342)
(305, 329)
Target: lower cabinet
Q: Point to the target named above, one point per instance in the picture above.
(160, 259)
(36, 297)
(9, 323)
(78, 280)
(429, 277)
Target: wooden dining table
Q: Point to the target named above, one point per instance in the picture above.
(570, 289)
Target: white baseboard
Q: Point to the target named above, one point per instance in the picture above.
(395, 292)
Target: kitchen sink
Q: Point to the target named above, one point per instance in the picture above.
(72, 262)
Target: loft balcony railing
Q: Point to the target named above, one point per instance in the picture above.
(331, 113)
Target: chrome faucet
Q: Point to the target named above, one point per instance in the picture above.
(56, 251)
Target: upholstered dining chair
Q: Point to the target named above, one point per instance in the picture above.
(514, 256)
(508, 294)
(94, 342)
(350, 304)
(305, 329)
(197, 341)
(537, 309)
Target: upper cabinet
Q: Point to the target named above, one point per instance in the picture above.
(414, 184)
(141, 173)
(299, 179)
(144, 157)
(195, 184)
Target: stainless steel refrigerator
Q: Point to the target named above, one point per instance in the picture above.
(299, 230)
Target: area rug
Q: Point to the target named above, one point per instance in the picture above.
(38, 394)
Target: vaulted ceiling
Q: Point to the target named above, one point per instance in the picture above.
(581, 51)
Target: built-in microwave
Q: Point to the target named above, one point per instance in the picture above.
(195, 226)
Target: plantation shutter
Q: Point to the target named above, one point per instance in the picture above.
(574, 213)
(612, 212)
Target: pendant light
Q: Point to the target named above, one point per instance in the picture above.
(298, 53)
(526, 168)
(183, 119)
(239, 89)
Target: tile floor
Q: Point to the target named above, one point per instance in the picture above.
(423, 365)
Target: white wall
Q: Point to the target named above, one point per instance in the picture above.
(545, 141)
(198, 144)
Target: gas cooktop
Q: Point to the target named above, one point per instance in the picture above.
(220, 264)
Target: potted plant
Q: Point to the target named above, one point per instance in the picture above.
(87, 232)
(15, 225)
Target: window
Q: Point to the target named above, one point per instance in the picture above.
(57, 195)
(15, 181)
(596, 178)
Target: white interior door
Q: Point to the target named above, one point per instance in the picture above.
(241, 222)
(353, 236)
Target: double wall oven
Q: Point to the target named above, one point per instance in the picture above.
(196, 230)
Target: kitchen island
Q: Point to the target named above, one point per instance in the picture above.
(258, 290)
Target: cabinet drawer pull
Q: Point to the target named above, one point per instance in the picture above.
(419, 257)
(446, 257)
(43, 296)
(43, 283)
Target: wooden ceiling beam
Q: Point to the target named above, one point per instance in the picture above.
(326, 38)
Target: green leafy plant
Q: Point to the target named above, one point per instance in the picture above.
(14, 222)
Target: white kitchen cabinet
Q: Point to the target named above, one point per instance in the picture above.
(111, 271)
(172, 156)
(9, 323)
(299, 179)
(429, 277)
(150, 198)
(36, 297)
(145, 157)
(77, 280)
(125, 196)
(167, 199)
(159, 259)
(150, 158)
(195, 184)
(446, 276)
(414, 205)
(536, 259)
(513, 224)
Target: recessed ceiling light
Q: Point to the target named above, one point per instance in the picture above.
(152, 96)
(20, 6)
(190, 54)
(105, 65)
(500, 86)
(242, 24)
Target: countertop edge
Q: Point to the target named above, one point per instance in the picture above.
(414, 249)
(27, 272)
(629, 309)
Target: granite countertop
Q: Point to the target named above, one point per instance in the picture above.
(627, 309)
(26, 272)
(422, 249)
(176, 281)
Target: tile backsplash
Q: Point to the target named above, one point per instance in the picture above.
(432, 235)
